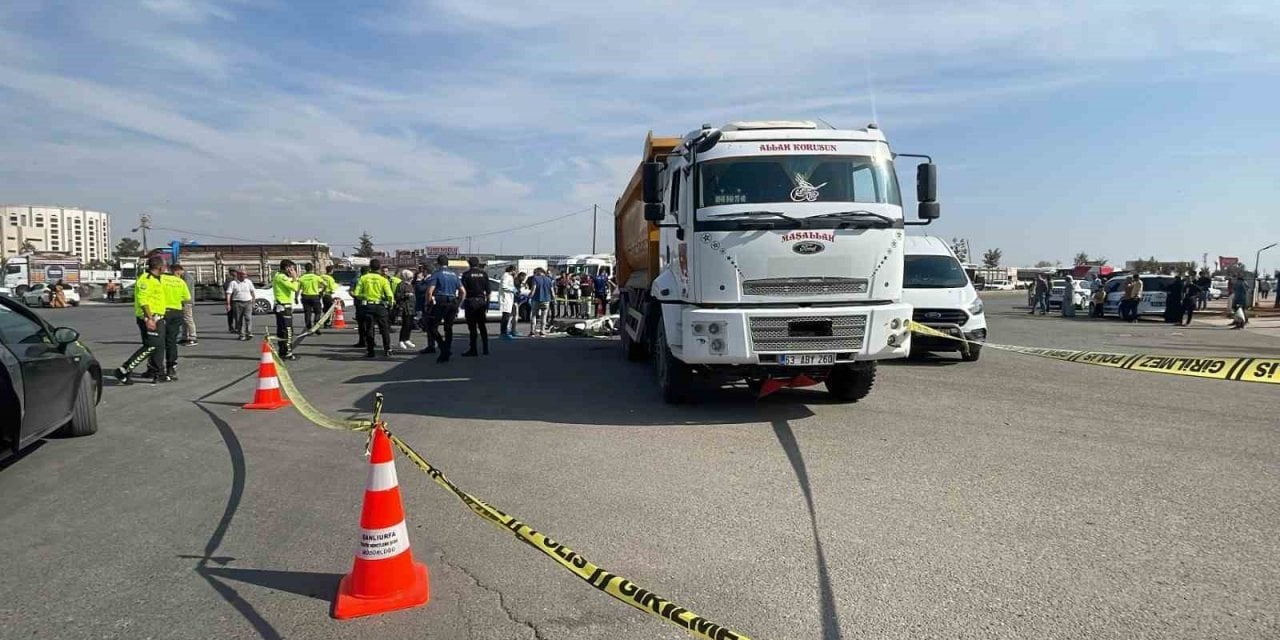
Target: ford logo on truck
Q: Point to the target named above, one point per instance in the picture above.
(808, 248)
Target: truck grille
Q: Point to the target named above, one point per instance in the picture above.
(940, 316)
(780, 334)
(803, 286)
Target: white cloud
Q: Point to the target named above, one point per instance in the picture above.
(189, 11)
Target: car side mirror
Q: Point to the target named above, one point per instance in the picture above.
(65, 335)
(653, 212)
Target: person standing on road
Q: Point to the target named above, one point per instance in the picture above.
(189, 332)
(176, 299)
(112, 288)
(422, 306)
(405, 305)
(284, 288)
(1240, 299)
(226, 282)
(1204, 282)
(1069, 296)
(542, 290)
(1173, 301)
(1099, 300)
(1039, 296)
(375, 290)
(240, 295)
(600, 286)
(1190, 295)
(443, 289)
(310, 287)
(1264, 288)
(475, 283)
(362, 319)
(148, 310)
(330, 290)
(507, 303)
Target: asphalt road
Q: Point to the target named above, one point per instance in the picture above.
(1016, 497)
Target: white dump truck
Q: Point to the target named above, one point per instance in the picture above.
(770, 252)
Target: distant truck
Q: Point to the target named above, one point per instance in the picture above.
(770, 252)
(23, 271)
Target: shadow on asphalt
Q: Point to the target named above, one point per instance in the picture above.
(9, 459)
(320, 586)
(830, 617)
(564, 380)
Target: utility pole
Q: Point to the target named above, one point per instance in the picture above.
(594, 211)
(144, 223)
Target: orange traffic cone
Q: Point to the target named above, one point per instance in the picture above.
(267, 397)
(384, 577)
(339, 322)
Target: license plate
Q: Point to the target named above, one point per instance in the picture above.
(807, 359)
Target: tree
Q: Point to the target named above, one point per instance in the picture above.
(27, 247)
(960, 247)
(1081, 258)
(365, 247)
(991, 258)
(128, 248)
(1044, 264)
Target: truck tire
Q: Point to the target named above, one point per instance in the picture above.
(850, 383)
(636, 351)
(84, 416)
(972, 354)
(673, 375)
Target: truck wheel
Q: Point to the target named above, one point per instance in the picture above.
(972, 354)
(637, 351)
(849, 383)
(673, 375)
(84, 418)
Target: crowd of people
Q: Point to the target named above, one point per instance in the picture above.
(1187, 294)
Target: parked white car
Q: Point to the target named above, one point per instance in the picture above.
(1000, 285)
(264, 300)
(38, 296)
(1080, 298)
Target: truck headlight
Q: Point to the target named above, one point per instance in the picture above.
(715, 328)
(699, 328)
(975, 307)
(717, 345)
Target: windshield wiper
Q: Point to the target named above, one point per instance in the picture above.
(756, 214)
(855, 215)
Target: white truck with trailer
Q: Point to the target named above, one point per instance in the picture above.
(770, 252)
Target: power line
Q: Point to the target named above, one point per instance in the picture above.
(209, 235)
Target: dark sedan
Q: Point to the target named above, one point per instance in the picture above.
(48, 380)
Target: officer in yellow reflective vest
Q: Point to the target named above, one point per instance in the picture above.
(284, 287)
(330, 290)
(148, 308)
(176, 295)
(311, 285)
(374, 290)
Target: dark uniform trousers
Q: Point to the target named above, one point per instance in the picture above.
(152, 349)
(362, 323)
(312, 310)
(173, 325)
(377, 320)
(443, 311)
(327, 301)
(475, 310)
(284, 327)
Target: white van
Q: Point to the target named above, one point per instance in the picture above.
(935, 284)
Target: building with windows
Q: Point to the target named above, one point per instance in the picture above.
(79, 232)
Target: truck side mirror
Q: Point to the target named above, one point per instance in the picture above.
(649, 174)
(926, 182)
(653, 212)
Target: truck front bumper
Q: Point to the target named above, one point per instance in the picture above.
(762, 336)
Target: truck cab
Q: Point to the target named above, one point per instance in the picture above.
(766, 251)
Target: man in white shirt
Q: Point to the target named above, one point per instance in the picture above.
(240, 296)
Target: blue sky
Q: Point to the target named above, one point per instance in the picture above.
(1116, 128)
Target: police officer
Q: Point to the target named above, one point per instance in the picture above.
(330, 290)
(284, 287)
(362, 319)
(176, 296)
(148, 308)
(475, 284)
(443, 288)
(310, 286)
(374, 290)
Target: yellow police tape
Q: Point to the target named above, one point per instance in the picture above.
(612, 584)
(1236, 369)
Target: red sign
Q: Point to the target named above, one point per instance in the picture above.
(1225, 262)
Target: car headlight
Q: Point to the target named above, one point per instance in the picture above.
(975, 307)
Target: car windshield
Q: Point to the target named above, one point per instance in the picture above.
(1156, 283)
(799, 178)
(933, 272)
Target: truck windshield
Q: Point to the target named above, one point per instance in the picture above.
(933, 272)
(14, 268)
(799, 178)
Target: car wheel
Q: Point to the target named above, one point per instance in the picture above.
(84, 417)
(74, 303)
(972, 354)
(261, 307)
(848, 383)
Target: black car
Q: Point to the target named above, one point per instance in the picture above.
(48, 380)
